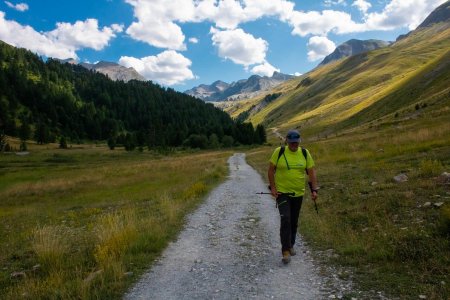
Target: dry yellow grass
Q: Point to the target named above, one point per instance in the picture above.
(101, 214)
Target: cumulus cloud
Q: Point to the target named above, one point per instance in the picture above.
(240, 47)
(19, 6)
(167, 68)
(155, 22)
(319, 47)
(329, 3)
(18, 35)
(83, 34)
(63, 42)
(321, 23)
(399, 13)
(362, 5)
(193, 40)
(264, 69)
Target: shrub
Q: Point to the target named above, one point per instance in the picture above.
(429, 167)
(227, 141)
(62, 143)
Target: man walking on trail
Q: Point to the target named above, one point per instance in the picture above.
(286, 173)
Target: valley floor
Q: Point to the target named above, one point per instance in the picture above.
(230, 249)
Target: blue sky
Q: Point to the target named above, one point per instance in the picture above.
(183, 43)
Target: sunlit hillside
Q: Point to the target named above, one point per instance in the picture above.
(387, 85)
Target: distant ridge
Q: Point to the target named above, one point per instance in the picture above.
(115, 71)
(241, 89)
(439, 15)
(353, 47)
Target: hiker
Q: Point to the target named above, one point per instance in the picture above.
(287, 169)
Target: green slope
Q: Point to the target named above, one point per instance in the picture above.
(384, 85)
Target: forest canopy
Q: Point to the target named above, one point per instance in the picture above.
(48, 100)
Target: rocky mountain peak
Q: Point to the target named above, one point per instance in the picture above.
(440, 14)
(353, 47)
(115, 71)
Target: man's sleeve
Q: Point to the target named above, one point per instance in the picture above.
(309, 161)
(274, 157)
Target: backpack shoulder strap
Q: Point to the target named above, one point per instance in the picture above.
(305, 155)
(280, 153)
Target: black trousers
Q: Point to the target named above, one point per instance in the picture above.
(289, 208)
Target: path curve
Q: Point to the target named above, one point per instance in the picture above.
(230, 249)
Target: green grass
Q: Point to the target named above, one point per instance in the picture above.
(85, 223)
(380, 229)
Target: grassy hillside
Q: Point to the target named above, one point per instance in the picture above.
(368, 89)
(366, 119)
(385, 236)
(85, 223)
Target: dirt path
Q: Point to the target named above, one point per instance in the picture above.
(230, 250)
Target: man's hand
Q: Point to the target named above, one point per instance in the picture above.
(314, 195)
(273, 191)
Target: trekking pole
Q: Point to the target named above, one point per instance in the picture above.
(265, 193)
(288, 194)
(315, 204)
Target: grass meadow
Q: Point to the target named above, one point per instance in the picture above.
(390, 235)
(85, 223)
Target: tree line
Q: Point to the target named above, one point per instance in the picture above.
(49, 101)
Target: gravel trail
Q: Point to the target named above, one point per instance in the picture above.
(230, 249)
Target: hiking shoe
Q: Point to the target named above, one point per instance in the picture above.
(286, 257)
(292, 251)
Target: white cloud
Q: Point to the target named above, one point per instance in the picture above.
(193, 40)
(298, 74)
(319, 47)
(18, 35)
(329, 3)
(321, 23)
(155, 22)
(400, 13)
(63, 42)
(167, 68)
(83, 34)
(264, 69)
(255, 9)
(19, 6)
(362, 5)
(158, 33)
(240, 47)
(229, 14)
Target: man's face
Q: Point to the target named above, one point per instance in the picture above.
(293, 146)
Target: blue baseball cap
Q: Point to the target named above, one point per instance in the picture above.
(293, 136)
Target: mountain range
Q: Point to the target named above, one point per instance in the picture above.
(238, 90)
(256, 85)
